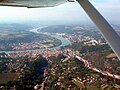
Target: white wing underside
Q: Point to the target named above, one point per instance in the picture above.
(31, 3)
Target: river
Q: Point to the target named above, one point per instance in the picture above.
(64, 41)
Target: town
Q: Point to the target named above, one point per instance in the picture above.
(71, 67)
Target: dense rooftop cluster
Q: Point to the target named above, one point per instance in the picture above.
(73, 75)
(88, 63)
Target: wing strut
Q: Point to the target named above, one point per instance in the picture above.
(107, 31)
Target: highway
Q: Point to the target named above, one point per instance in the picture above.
(89, 65)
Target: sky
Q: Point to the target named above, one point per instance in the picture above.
(67, 12)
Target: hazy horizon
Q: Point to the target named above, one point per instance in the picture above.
(66, 13)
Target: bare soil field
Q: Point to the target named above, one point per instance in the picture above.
(8, 77)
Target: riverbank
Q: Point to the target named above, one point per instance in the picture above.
(64, 42)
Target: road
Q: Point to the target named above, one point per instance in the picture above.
(66, 59)
(89, 65)
(42, 87)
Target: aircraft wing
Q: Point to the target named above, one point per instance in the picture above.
(31, 3)
(108, 32)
